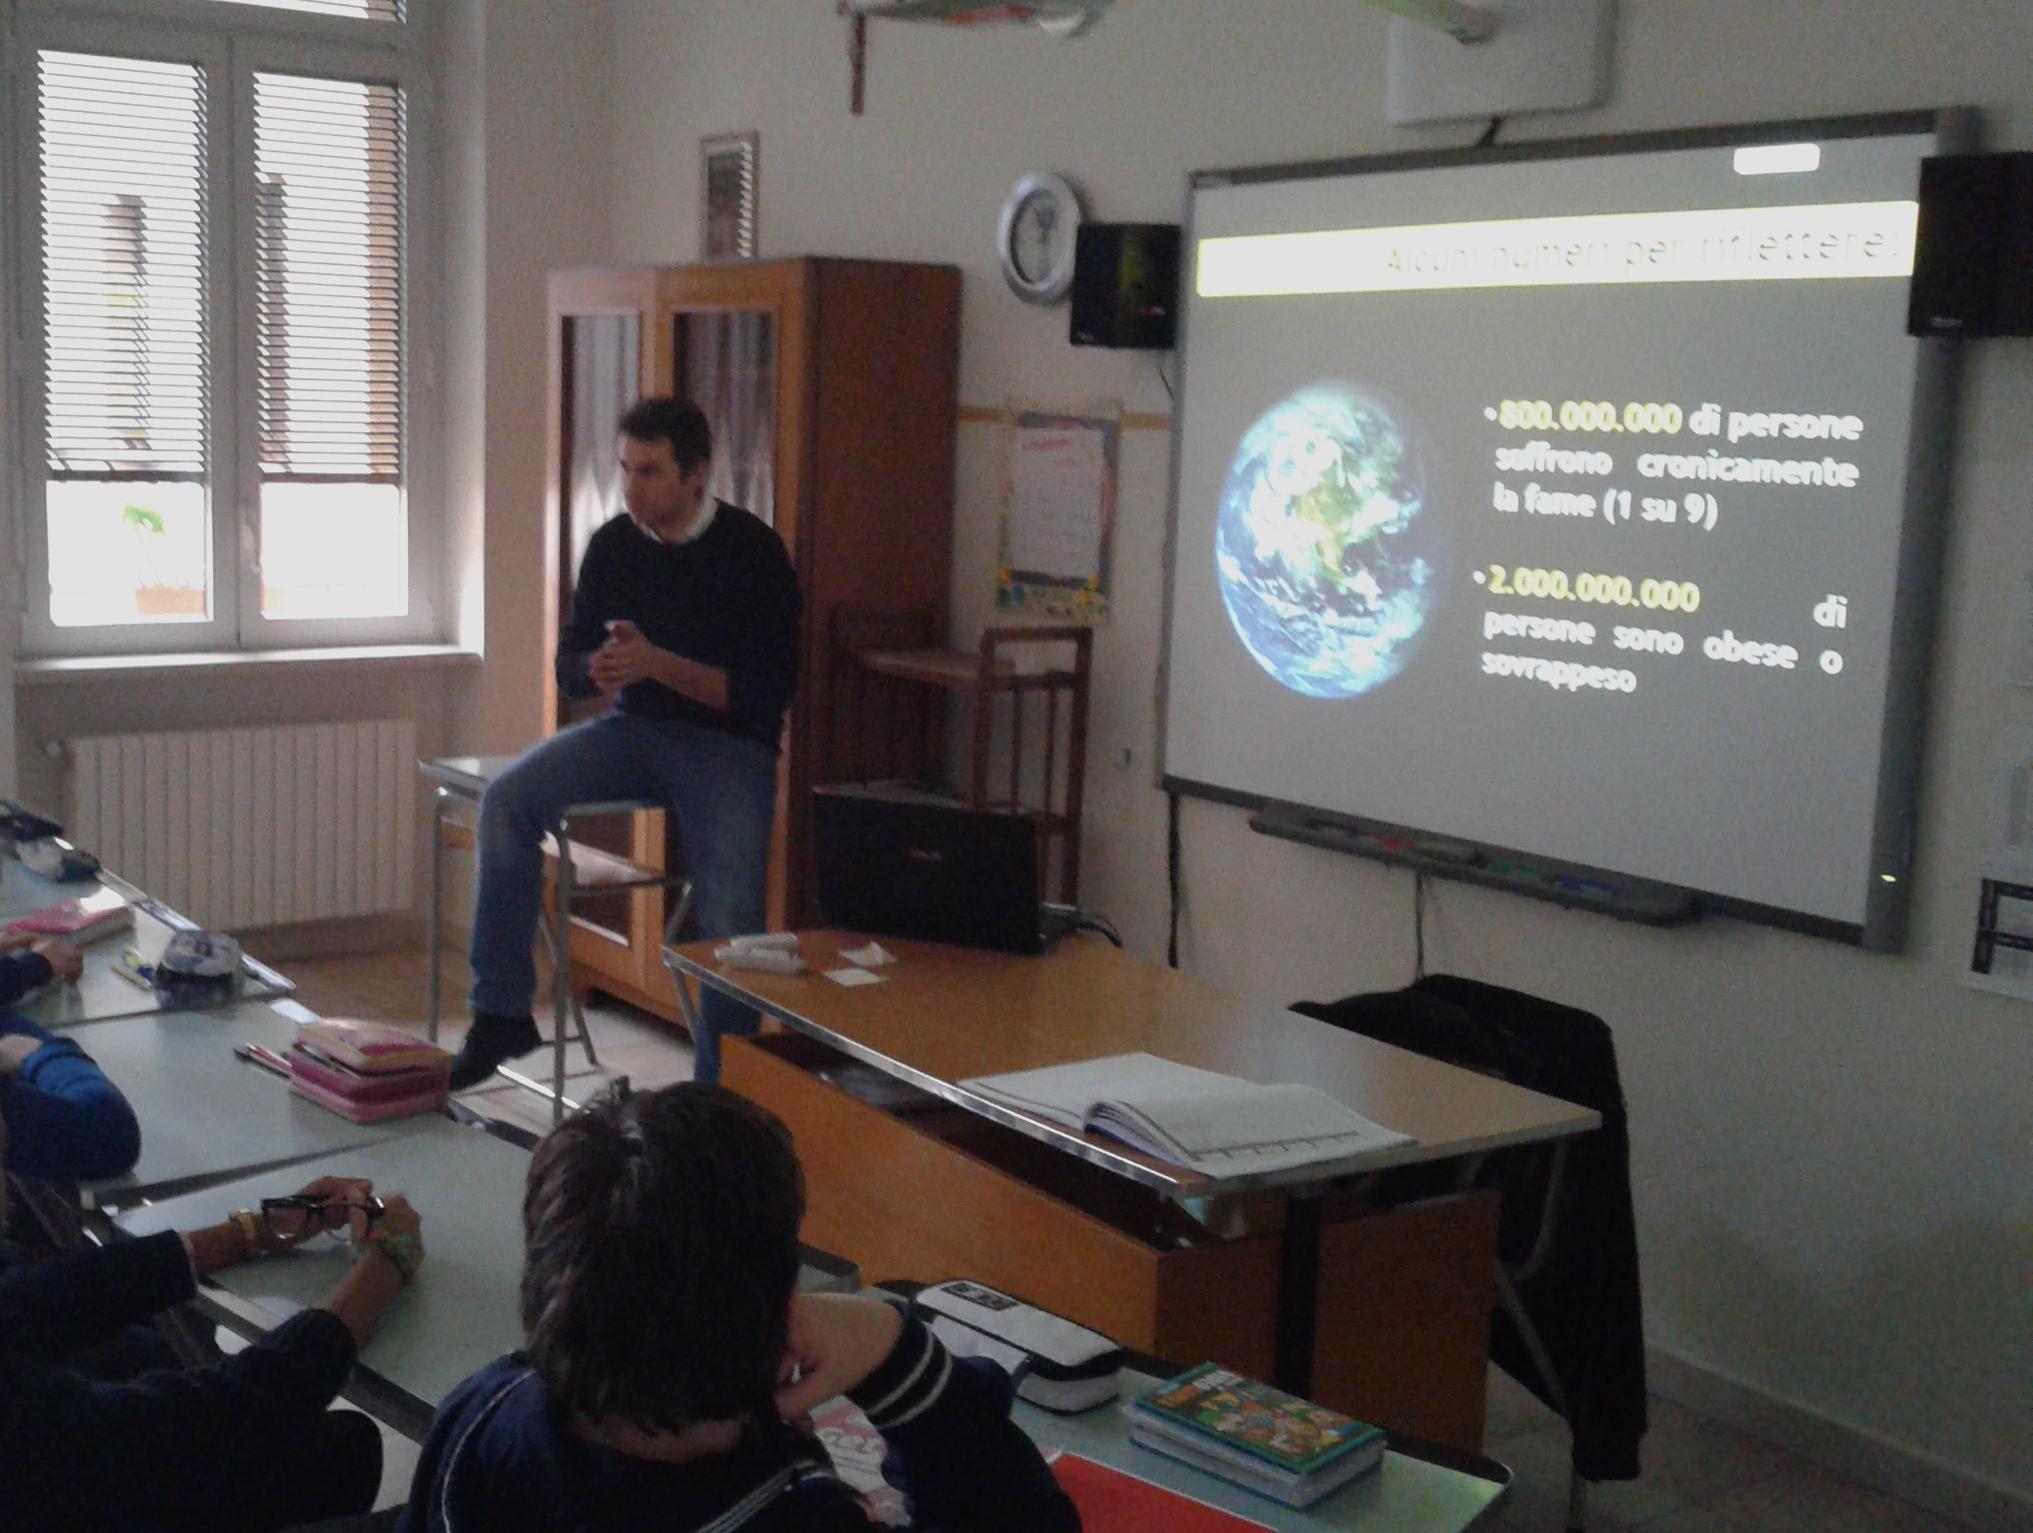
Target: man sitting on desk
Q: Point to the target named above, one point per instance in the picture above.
(686, 614)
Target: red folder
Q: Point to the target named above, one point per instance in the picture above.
(1111, 1501)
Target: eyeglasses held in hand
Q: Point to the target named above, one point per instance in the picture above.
(300, 1216)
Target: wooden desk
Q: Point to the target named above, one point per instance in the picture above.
(1383, 1312)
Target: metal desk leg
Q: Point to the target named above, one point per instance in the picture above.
(687, 1005)
(671, 929)
(432, 928)
(581, 1034)
(556, 930)
(561, 973)
(1298, 1293)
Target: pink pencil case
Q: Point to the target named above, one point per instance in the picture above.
(370, 1112)
(356, 1086)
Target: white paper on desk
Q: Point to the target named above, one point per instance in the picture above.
(873, 956)
(851, 977)
(292, 1011)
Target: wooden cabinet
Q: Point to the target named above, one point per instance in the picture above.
(831, 387)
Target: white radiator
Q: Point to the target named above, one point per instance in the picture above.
(241, 828)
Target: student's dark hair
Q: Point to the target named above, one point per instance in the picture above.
(660, 1252)
(677, 421)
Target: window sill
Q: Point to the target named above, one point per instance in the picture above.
(44, 673)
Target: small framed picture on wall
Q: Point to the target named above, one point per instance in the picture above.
(727, 172)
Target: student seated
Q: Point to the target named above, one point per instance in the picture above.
(28, 961)
(68, 1122)
(243, 1445)
(670, 1362)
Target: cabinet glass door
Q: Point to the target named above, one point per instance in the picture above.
(602, 356)
(603, 363)
(726, 363)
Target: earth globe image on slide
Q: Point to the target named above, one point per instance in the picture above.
(1328, 562)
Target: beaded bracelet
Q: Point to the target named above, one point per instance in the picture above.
(400, 1251)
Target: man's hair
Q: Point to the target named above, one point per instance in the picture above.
(660, 1253)
(677, 421)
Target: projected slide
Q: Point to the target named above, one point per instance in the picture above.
(1558, 505)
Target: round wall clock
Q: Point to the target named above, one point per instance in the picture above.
(1034, 240)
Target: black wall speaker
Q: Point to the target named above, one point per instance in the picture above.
(1126, 286)
(1973, 253)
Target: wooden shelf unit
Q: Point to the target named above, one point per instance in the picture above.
(1053, 664)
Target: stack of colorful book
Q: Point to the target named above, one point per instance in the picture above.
(1274, 1443)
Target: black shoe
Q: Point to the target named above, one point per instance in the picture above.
(490, 1043)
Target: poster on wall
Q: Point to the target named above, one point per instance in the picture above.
(727, 196)
(1058, 523)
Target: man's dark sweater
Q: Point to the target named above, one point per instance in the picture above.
(500, 1460)
(728, 598)
(184, 1449)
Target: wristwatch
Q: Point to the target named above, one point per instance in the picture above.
(248, 1223)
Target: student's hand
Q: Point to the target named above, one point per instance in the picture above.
(403, 1225)
(14, 941)
(377, 1277)
(837, 1340)
(627, 657)
(66, 961)
(14, 1051)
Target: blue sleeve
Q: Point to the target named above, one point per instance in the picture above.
(20, 973)
(58, 1306)
(65, 1121)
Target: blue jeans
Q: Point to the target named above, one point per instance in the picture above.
(721, 788)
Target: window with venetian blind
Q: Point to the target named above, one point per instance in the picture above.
(223, 259)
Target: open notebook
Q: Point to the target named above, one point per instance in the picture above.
(1193, 1118)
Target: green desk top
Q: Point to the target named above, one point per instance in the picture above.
(461, 1312)
(1405, 1495)
(103, 992)
(205, 1114)
(23, 892)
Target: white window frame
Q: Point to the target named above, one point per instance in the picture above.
(234, 42)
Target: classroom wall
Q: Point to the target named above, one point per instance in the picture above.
(531, 84)
(1834, 1167)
